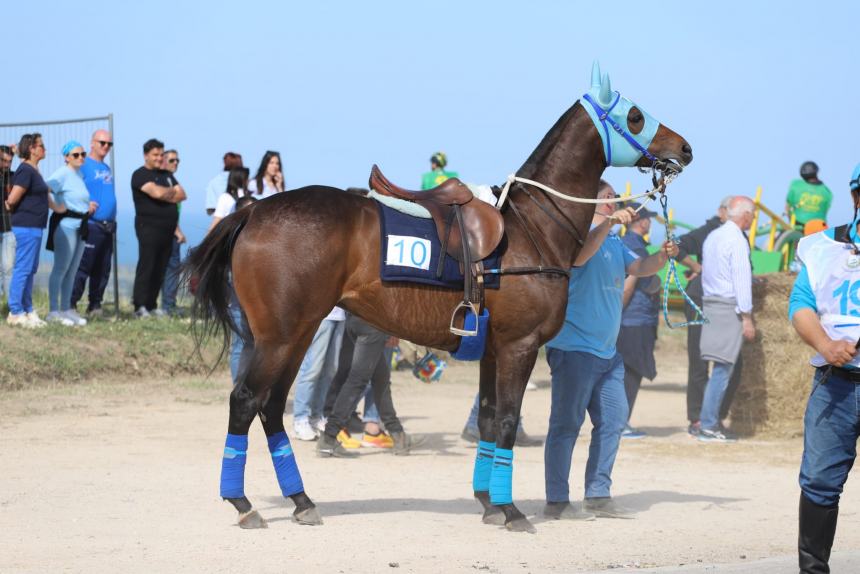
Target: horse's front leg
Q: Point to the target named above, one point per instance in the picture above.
(514, 364)
(487, 445)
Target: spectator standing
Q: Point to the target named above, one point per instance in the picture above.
(641, 307)
(170, 163)
(808, 198)
(218, 184)
(727, 286)
(825, 317)
(587, 372)
(690, 254)
(68, 230)
(7, 238)
(269, 179)
(437, 174)
(101, 228)
(28, 201)
(156, 193)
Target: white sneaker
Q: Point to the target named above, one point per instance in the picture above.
(34, 320)
(72, 315)
(303, 431)
(142, 313)
(319, 425)
(19, 320)
(58, 317)
(158, 313)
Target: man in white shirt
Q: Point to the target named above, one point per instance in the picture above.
(727, 287)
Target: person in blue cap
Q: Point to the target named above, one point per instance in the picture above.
(825, 311)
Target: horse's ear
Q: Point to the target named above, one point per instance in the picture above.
(595, 74)
(605, 95)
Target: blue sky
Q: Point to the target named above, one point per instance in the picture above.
(755, 87)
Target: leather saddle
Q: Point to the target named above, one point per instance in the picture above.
(481, 223)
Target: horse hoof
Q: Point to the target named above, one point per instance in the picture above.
(494, 515)
(308, 516)
(520, 525)
(252, 519)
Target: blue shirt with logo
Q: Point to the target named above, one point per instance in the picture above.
(593, 315)
(99, 180)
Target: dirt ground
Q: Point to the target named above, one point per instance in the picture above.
(123, 477)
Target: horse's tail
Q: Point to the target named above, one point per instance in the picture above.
(206, 270)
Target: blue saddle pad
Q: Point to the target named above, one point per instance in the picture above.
(411, 249)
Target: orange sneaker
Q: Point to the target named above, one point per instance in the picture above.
(347, 440)
(380, 440)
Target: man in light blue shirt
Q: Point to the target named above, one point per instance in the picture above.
(587, 372)
(218, 184)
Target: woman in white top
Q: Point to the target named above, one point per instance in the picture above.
(269, 179)
(237, 189)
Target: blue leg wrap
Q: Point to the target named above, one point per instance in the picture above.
(502, 477)
(286, 468)
(483, 466)
(233, 466)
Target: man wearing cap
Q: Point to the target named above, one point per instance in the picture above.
(586, 370)
(437, 174)
(824, 310)
(808, 198)
(641, 306)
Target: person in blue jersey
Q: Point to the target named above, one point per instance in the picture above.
(825, 311)
(586, 370)
(98, 248)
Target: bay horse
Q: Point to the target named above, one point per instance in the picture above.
(296, 255)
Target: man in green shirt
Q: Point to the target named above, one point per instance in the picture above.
(437, 175)
(808, 198)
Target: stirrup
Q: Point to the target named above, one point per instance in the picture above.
(464, 332)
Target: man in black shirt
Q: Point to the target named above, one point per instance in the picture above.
(691, 244)
(156, 193)
(7, 238)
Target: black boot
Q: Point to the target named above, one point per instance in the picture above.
(817, 528)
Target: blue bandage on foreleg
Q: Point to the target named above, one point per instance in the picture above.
(233, 466)
(483, 466)
(286, 468)
(502, 477)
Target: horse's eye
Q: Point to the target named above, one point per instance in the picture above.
(636, 118)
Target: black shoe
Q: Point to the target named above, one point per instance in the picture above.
(565, 511)
(525, 440)
(470, 434)
(403, 443)
(329, 447)
(817, 528)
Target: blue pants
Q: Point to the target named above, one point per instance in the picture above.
(831, 427)
(241, 345)
(715, 390)
(28, 247)
(583, 382)
(318, 369)
(95, 266)
(171, 277)
(68, 249)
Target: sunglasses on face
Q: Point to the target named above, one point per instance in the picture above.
(105, 144)
(173, 160)
(77, 154)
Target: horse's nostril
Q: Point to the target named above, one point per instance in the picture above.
(686, 148)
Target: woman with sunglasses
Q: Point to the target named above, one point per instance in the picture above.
(28, 201)
(269, 179)
(68, 231)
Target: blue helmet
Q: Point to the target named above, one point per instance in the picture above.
(855, 178)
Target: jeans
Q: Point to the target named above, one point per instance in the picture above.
(95, 266)
(241, 342)
(171, 277)
(28, 242)
(831, 427)
(318, 369)
(68, 249)
(714, 393)
(367, 362)
(583, 382)
(7, 261)
(154, 245)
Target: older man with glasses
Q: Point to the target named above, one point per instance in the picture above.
(7, 238)
(96, 261)
(170, 287)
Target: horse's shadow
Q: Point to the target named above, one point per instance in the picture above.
(533, 508)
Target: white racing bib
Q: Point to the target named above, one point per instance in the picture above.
(406, 251)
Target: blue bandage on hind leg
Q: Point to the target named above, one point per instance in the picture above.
(233, 466)
(502, 477)
(483, 466)
(286, 468)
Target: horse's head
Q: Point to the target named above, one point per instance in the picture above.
(630, 136)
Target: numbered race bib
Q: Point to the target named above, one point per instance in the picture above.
(405, 251)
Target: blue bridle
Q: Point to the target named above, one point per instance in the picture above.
(603, 117)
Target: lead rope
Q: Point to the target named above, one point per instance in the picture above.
(672, 275)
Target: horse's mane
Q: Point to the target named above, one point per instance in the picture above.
(548, 142)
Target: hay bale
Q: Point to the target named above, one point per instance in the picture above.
(776, 376)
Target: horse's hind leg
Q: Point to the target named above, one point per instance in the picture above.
(487, 445)
(283, 458)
